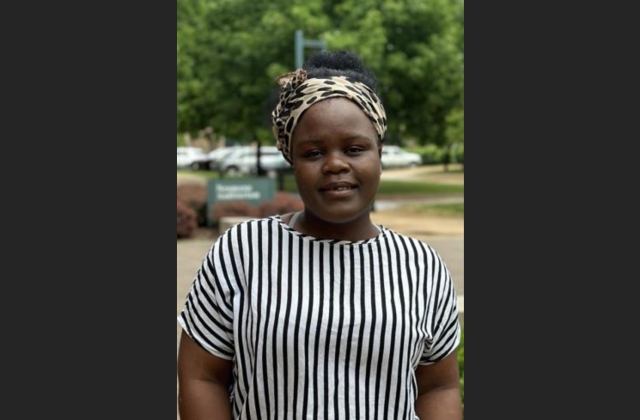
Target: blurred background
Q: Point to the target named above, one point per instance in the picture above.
(230, 52)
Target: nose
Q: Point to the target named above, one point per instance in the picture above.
(334, 163)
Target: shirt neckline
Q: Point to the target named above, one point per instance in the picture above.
(287, 226)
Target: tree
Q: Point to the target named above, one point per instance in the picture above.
(231, 51)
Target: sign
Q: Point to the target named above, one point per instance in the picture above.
(251, 190)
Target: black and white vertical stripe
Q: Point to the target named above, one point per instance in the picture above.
(319, 328)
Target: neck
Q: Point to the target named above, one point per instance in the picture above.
(358, 229)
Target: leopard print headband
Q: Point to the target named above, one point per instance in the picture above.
(297, 94)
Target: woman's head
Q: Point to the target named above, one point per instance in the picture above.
(330, 125)
(325, 75)
(337, 161)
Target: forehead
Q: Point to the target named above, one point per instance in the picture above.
(334, 116)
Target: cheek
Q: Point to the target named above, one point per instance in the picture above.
(370, 171)
(301, 174)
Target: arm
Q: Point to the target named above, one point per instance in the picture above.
(203, 381)
(439, 390)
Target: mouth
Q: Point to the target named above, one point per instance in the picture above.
(337, 187)
(338, 190)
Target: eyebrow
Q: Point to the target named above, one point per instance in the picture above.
(346, 139)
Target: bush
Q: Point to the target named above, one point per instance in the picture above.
(195, 196)
(431, 154)
(459, 154)
(186, 220)
(282, 203)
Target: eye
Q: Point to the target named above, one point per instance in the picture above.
(312, 153)
(354, 150)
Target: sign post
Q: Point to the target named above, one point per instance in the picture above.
(301, 43)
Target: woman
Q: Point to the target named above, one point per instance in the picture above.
(322, 313)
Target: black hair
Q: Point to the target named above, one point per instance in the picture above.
(339, 63)
(328, 64)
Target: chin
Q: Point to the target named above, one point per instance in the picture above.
(342, 214)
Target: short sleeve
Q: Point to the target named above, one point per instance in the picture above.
(207, 316)
(443, 324)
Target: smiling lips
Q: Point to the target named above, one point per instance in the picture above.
(337, 186)
(338, 189)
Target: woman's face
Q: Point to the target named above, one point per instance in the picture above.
(336, 161)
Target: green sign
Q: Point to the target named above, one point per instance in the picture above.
(250, 190)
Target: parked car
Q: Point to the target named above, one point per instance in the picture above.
(243, 161)
(217, 156)
(396, 157)
(192, 157)
(271, 159)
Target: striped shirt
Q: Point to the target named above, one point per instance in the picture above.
(321, 329)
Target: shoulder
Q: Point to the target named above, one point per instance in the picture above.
(247, 231)
(414, 246)
(408, 240)
(244, 226)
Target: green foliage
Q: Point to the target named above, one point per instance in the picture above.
(431, 154)
(454, 132)
(422, 72)
(230, 51)
(459, 153)
(238, 47)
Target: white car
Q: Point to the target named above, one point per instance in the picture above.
(217, 156)
(243, 161)
(395, 157)
(192, 157)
